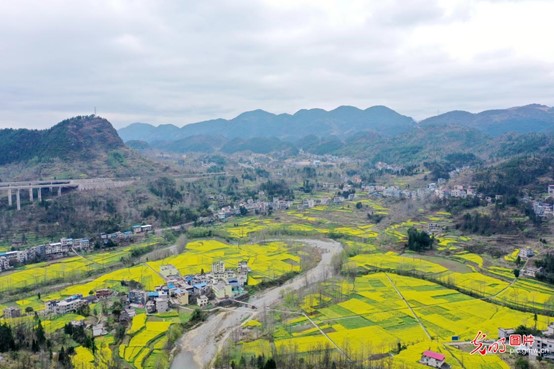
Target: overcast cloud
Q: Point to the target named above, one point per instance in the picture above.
(184, 61)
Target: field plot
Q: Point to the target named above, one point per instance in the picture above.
(267, 261)
(50, 326)
(399, 231)
(525, 292)
(243, 228)
(319, 220)
(83, 358)
(138, 347)
(529, 293)
(473, 258)
(391, 260)
(513, 256)
(74, 268)
(373, 319)
(101, 359)
(137, 324)
(377, 208)
(476, 282)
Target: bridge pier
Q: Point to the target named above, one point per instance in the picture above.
(31, 194)
(10, 197)
(60, 191)
(39, 194)
(18, 199)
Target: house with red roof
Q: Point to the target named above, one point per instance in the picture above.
(432, 359)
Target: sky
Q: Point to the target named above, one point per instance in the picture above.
(181, 61)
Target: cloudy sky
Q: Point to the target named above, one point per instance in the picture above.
(183, 61)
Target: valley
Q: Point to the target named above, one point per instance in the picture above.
(341, 260)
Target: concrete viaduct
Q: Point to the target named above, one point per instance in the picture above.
(80, 184)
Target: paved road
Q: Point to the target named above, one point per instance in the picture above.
(199, 347)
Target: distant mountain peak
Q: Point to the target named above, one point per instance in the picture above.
(254, 113)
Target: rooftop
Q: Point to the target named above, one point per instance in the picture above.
(434, 355)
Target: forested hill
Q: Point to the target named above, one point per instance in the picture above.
(79, 147)
(83, 137)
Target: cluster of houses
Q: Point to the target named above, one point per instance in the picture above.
(388, 167)
(263, 207)
(437, 190)
(221, 286)
(545, 209)
(74, 303)
(64, 247)
(70, 304)
(49, 251)
(255, 206)
(129, 235)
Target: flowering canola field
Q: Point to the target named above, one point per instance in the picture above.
(373, 318)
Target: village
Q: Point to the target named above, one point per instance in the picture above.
(219, 287)
(66, 246)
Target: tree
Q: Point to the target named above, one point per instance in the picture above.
(522, 363)
(518, 260)
(359, 205)
(39, 332)
(34, 346)
(119, 332)
(7, 342)
(243, 211)
(419, 240)
(197, 316)
(270, 364)
(516, 273)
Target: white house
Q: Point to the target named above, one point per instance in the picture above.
(202, 301)
(432, 359)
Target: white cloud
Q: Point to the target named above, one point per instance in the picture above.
(183, 61)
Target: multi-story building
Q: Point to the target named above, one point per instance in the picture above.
(12, 312)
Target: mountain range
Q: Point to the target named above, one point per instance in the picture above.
(90, 146)
(343, 121)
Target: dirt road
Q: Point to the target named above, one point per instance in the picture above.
(198, 347)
